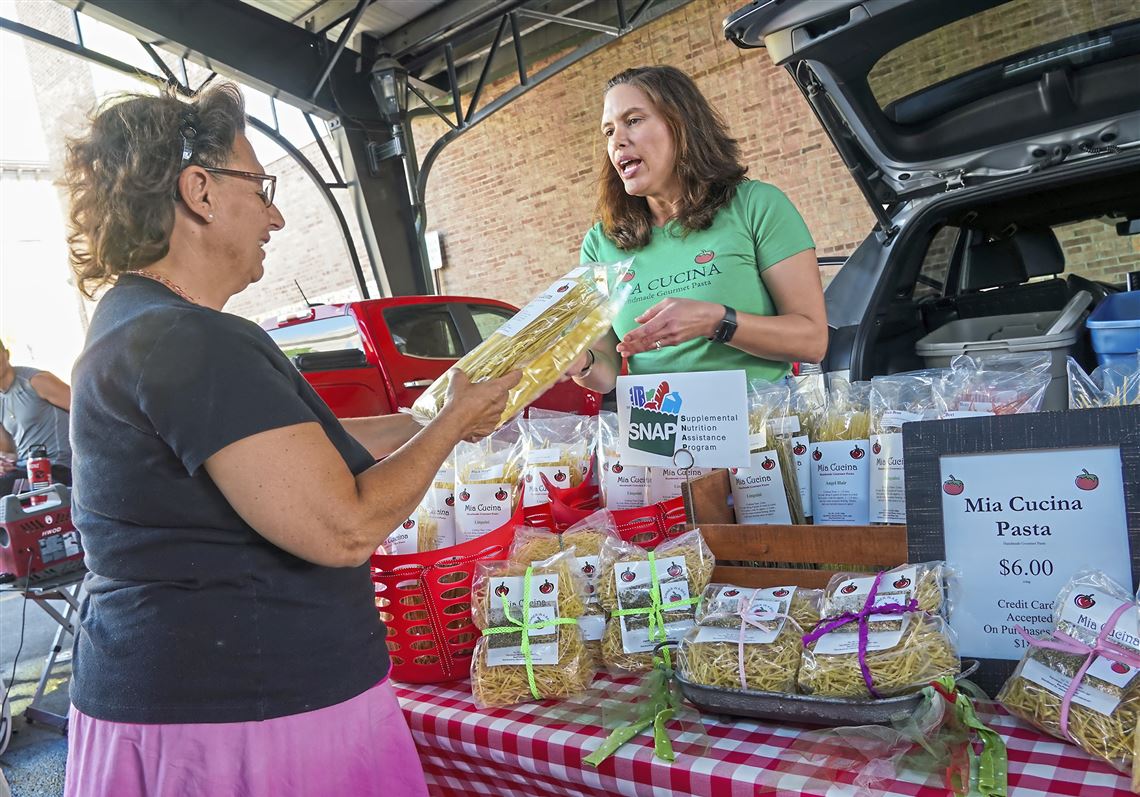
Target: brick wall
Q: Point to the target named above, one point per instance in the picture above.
(514, 196)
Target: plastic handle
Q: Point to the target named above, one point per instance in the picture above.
(1070, 312)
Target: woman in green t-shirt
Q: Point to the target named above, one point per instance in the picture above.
(725, 275)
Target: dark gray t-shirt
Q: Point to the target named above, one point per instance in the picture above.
(31, 420)
(191, 615)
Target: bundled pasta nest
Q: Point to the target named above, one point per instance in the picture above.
(585, 539)
(499, 672)
(542, 340)
(683, 567)
(769, 660)
(1110, 736)
(905, 651)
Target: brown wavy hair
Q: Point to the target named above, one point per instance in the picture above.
(707, 159)
(122, 175)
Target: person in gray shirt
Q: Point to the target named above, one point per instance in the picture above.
(34, 410)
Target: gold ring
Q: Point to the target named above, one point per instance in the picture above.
(657, 345)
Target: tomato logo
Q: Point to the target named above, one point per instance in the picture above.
(876, 448)
(1087, 481)
(617, 467)
(546, 587)
(627, 575)
(768, 463)
(799, 450)
(847, 590)
(902, 583)
(628, 276)
(817, 455)
(1084, 601)
(450, 500)
(563, 288)
(674, 570)
(953, 486)
(731, 593)
(588, 569)
(465, 496)
(705, 256)
(559, 476)
(857, 452)
(1120, 667)
(501, 590)
(501, 495)
(409, 524)
(780, 593)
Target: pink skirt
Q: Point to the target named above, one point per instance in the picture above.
(360, 747)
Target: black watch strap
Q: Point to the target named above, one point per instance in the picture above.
(727, 327)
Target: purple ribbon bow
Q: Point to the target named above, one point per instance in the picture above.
(1065, 643)
(829, 624)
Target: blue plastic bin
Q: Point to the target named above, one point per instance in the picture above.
(1114, 327)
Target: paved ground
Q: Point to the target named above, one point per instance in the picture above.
(34, 760)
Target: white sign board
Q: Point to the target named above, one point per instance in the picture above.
(684, 420)
(1017, 527)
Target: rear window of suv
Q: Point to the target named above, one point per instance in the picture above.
(994, 36)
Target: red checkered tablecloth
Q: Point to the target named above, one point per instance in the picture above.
(536, 749)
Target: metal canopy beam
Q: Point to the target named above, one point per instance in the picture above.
(242, 42)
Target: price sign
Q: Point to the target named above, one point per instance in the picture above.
(1019, 525)
(1018, 505)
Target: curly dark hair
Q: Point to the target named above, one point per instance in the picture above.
(707, 159)
(122, 175)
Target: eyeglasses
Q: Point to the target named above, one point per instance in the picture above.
(268, 181)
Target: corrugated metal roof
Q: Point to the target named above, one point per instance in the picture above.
(380, 18)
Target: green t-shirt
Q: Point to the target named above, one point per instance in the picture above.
(756, 229)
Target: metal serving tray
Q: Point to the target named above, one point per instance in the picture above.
(805, 709)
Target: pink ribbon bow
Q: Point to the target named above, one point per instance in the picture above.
(1065, 643)
(754, 619)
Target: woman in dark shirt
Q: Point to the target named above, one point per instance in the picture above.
(229, 643)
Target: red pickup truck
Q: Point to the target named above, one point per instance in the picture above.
(375, 356)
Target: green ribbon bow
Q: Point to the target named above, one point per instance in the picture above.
(989, 770)
(661, 702)
(656, 610)
(523, 627)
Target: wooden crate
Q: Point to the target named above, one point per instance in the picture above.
(871, 548)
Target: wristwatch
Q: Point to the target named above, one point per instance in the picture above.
(727, 327)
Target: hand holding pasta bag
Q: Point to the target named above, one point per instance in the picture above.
(542, 339)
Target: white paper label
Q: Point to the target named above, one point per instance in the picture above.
(801, 454)
(758, 492)
(588, 567)
(542, 456)
(543, 608)
(888, 483)
(481, 508)
(405, 539)
(673, 581)
(1017, 525)
(663, 484)
(485, 474)
(894, 419)
(536, 492)
(899, 586)
(539, 305)
(757, 440)
(623, 486)
(788, 424)
(840, 482)
(593, 626)
(975, 413)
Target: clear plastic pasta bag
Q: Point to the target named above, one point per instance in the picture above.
(558, 448)
(1113, 385)
(651, 596)
(767, 491)
(895, 400)
(995, 384)
(585, 539)
(1096, 643)
(749, 638)
(840, 472)
(907, 644)
(487, 484)
(543, 339)
(531, 647)
(622, 485)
